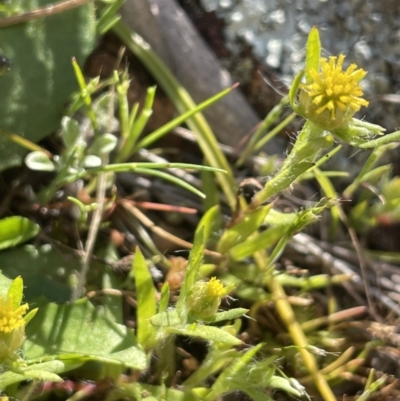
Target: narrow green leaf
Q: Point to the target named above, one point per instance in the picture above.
(330, 192)
(164, 301)
(208, 333)
(107, 15)
(383, 140)
(243, 229)
(373, 158)
(210, 221)
(15, 292)
(137, 128)
(15, 230)
(256, 138)
(192, 270)
(313, 53)
(85, 93)
(107, 24)
(151, 138)
(41, 371)
(183, 103)
(225, 381)
(286, 385)
(210, 188)
(263, 240)
(228, 315)
(171, 178)
(254, 393)
(215, 361)
(146, 301)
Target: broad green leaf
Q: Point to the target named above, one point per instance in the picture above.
(45, 270)
(39, 161)
(15, 230)
(146, 300)
(243, 229)
(103, 144)
(81, 331)
(91, 161)
(41, 80)
(208, 333)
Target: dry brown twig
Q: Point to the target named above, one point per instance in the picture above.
(46, 11)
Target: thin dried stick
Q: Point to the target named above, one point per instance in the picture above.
(160, 232)
(46, 11)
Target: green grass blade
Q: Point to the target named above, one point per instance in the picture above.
(166, 128)
(183, 103)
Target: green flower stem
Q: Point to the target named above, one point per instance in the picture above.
(183, 102)
(299, 339)
(310, 141)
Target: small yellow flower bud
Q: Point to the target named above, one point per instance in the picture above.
(205, 297)
(332, 96)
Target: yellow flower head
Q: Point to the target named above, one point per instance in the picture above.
(205, 297)
(12, 321)
(215, 288)
(10, 318)
(333, 95)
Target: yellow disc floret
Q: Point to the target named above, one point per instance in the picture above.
(215, 289)
(11, 318)
(205, 297)
(332, 96)
(12, 322)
